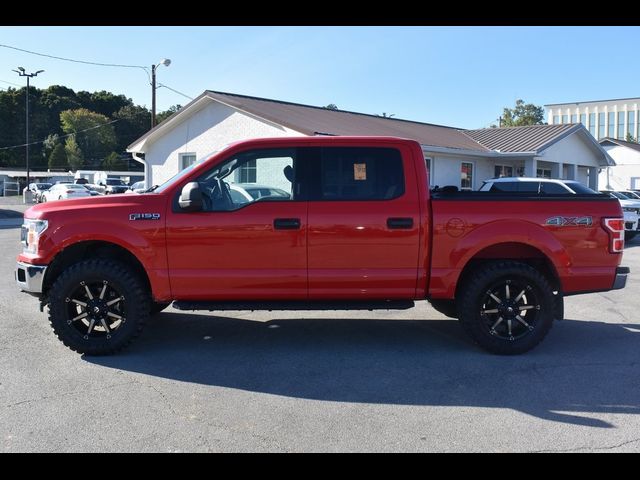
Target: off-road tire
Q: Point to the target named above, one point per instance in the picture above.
(480, 313)
(121, 282)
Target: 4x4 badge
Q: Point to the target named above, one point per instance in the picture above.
(567, 221)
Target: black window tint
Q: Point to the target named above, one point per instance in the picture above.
(553, 189)
(528, 187)
(355, 173)
(503, 187)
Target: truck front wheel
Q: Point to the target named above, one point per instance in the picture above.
(98, 306)
(506, 307)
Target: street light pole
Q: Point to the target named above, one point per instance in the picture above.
(21, 72)
(166, 62)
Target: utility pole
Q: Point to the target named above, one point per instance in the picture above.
(21, 72)
(166, 62)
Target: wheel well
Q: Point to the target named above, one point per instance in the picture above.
(92, 249)
(512, 251)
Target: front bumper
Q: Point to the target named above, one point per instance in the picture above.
(30, 277)
(621, 278)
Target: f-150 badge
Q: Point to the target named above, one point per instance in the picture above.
(144, 216)
(570, 221)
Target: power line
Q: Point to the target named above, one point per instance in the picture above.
(62, 136)
(73, 60)
(175, 91)
(11, 83)
(99, 64)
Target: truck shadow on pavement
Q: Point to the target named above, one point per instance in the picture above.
(581, 368)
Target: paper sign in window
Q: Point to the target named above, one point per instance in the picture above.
(359, 171)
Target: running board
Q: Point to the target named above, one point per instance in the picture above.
(296, 305)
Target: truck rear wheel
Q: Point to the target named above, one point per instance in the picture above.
(98, 306)
(506, 307)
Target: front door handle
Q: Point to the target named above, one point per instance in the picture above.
(400, 223)
(286, 223)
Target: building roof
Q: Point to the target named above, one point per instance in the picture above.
(312, 120)
(594, 101)
(532, 138)
(622, 143)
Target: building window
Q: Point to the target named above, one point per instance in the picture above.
(631, 130)
(574, 118)
(583, 119)
(611, 125)
(565, 119)
(592, 124)
(466, 176)
(187, 159)
(601, 125)
(248, 172)
(519, 171)
(621, 125)
(556, 119)
(429, 164)
(502, 171)
(543, 173)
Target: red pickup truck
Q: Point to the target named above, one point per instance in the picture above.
(319, 223)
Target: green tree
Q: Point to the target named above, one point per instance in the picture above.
(113, 162)
(331, 106)
(630, 138)
(133, 122)
(75, 158)
(162, 116)
(522, 114)
(92, 132)
(58, 158)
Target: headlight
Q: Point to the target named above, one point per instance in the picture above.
(30, 234)
(628, 209)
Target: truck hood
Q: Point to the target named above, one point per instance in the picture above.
(97, 204)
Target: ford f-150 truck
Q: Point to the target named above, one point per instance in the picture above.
(358, 229)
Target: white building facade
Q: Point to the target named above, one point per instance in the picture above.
(464, 158)
(617, 118)
(626, 174)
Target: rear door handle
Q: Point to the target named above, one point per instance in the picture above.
(400, 223)
(286, 223)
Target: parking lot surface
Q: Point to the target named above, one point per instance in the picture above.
(321, 381)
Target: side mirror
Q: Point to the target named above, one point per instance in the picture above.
(191, 197)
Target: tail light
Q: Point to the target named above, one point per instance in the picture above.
(69, 191)
(615, 229)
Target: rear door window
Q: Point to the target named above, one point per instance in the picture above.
(357, 173)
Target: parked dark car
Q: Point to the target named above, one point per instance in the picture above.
(115, 185)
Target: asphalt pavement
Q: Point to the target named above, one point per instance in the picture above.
(321, 381)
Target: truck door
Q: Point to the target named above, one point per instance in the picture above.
(364, 225)
(249, 242)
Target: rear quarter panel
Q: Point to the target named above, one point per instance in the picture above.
(580, 254)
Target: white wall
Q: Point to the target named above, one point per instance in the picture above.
(571, 150)
(212, 127)
(626, 173)
(446, 169)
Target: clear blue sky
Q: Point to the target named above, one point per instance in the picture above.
(460, 76)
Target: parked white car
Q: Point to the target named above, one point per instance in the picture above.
(61, 191)
(631, 209)
(137, 187)
(550, 186)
